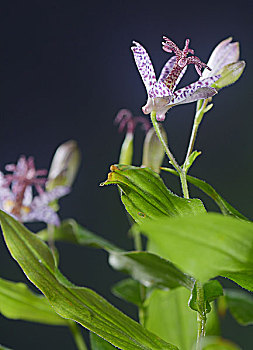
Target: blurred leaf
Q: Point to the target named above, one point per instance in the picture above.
(150, 270)
(79, 304)
(4, 348)
(146, 197)
(217, 343)
(240, 305)
(224, 206)
(168, 316)
(128, 290)
(212, 290)
(19, 303)
(206, 245)
(71, 231)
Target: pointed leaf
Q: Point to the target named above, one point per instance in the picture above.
(240, 305)
(19, 303)
(224, 206)
(206, 245)
(190, 160)
(98, 343)
(71, 231)
(150, 270)
(146, 197)
(76, 303)
(128, 290)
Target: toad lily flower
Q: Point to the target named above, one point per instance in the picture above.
(161, 93)
(16, 193)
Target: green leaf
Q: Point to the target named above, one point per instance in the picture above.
(98, 343)
(206, 245)
(78, 304)
(224, 206)
(150, 270)
(19, 303)
(129, 290)
(240, 305)
(71, 231)
(211, 291)
(145, 196)
(168, 316)
(217, 343)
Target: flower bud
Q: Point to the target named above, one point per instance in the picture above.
(229, 74)
(153, 151)
(64, 166)
(126, 152)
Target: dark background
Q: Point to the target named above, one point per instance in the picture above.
(66, 69)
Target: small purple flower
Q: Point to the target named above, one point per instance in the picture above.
(125, 118)
(161, 93)
(16, 193)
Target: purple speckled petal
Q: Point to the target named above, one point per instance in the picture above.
(159, 89)
(144, 65)
(199, 94)
(224, 53)
(167, 68)
(182, 94)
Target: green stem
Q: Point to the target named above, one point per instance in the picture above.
(201, 315)
(197, 120)
(173, 161)
(77, 336)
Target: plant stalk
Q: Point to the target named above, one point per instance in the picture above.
(169, 154)
(77, 336)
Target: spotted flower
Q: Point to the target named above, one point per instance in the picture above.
(17, 197)
(161, 93)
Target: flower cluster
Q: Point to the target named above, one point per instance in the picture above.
(17, 197)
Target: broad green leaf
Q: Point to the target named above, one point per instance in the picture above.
(211, 291)
(206, 245)
(18, 302)
(150, 270)
(240, 305)
(129, 290)
(76, 303)
(98, 343)
(145, 196)
(168, 316)
(224, 206)
(218, 343)
(71, 231)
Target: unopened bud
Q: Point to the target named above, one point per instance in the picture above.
(153, 151)
(229, 74)
(126, 152)
(64, 166)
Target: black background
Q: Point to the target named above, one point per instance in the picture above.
(66, 69)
